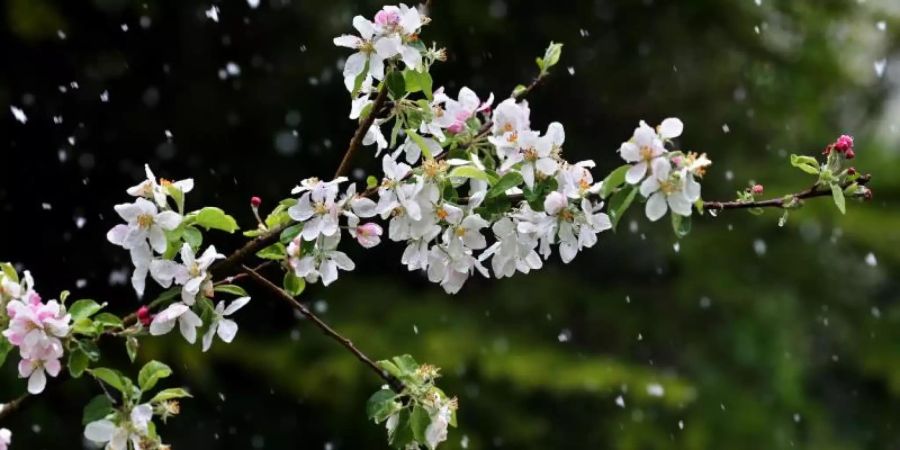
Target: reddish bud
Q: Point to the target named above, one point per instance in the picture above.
(844, 144)
(868, 194)
(143, 314)
(851, 171)
(757, 189)
(255, 201)
(849, 154)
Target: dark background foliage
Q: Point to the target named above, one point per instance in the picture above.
(762, 337)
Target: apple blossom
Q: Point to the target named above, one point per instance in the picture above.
(323, 260)
(132, 430)
(158, 190)
(146, 223)
(221, 325)
(42, 360)
(192, 274)
(368, 234)
(188, 321)
(5, 438)
(317, 210)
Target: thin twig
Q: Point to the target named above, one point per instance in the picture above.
(7, 409)
(360, 134)
(779, 202)
(393, 382)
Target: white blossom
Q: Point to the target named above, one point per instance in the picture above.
(158, 190)
(223, 326)
(192, 274)
(188, 321)
(117, 437)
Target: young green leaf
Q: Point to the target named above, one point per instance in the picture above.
(83, 309)
(131, 347)
(469, 172)
(293, 284)
(619, 203)
(97, 409)
(214, 218)
(113, 378)
(614, 180)
(170, 394)
(418, 422)
(232, 289)
(78, 362)
(382, 405)
(506, 182)
(151, 373)
(396, 84)
(838, 194)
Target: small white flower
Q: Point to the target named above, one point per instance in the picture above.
(158, 190)
(644, 149)
(372, 50)
(191, 274)
(317, 209)
(512, 251)
(436, 432)
(117, 437)
(226, 328)
(368, 234)
(666, 189)
(323, 261)
(145, 224)
(188, 321)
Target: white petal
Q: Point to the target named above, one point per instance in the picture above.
(348, 41)
(37, 381)
(168, 220)
(630, 152)
(365, 27)
(636, 173)
(117, 234)
(680, 204)
(656, 206)
(236, 305)
(100, 431)
(670, 128)
(157, 239)
(227, 330)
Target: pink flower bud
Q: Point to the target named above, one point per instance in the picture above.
(757, 189)
(844, 144)
(851, 171)
(849, 154)
(369, 234)
(255, 201)
(144, 316)
(455, 128)
(385, 18)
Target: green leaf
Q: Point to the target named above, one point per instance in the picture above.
(619, 203)
(418, 422)
(232, 289)
(807, 164)
(131, 347)
(78, 362)
(551, 56)
(293, 284)
(169, 394)
(276, 252)
(390, 368)
(406, 364)
(151, 373)
(469, 172)
(371, 182)
(214, 218)
(418, 81)
(112, 377)
(420, 142)
(402, 435)
(681, 225)
(396, 84)
(5, 348)
(357, 83)
(614, 180)
(10, 272)
(382, 405)
(838, 194)
(506, 182)
(83, 309)
(519, 90)
(289, 233)
(193, 237)
(108, 320)
(97, 409)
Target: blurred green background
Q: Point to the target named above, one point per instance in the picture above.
(760, 337)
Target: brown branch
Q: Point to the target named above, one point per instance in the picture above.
(364, 126)
(393, 382)
(779, 202)
(7, 409)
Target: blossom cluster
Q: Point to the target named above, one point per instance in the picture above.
(668, 180)
(154, 233)
(35, 328)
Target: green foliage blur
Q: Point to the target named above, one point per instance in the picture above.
(744, 335)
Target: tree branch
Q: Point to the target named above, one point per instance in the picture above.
(7, 409)
(364, 126)
(779, 202)
(393, 382)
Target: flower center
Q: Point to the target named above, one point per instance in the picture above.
(513, 136)
(164, 182)
(530, 154)
(320, 208)
(195, 270)
(441, 213)
(434, 168)
(145, 220)
(646, 153)
(668, 187)
(460, 231)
